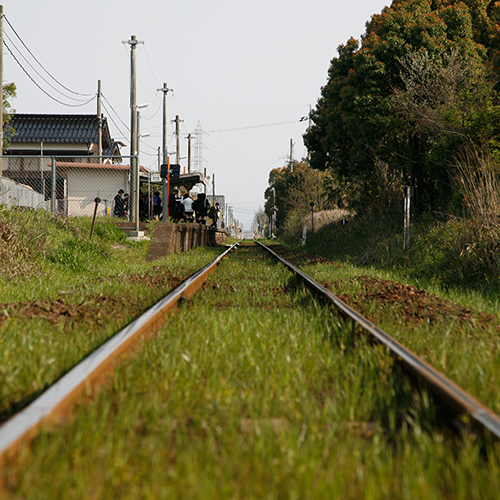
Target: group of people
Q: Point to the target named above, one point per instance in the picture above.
(179, 208)
(189, 210)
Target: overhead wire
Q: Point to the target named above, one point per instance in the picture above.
(256, 126)
(40, 87)
(39, 63)
(45, 80)
(114, 123)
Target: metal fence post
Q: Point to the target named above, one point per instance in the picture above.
(53, 195)
(406, 235)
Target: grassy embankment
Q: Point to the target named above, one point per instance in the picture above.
(453, 260)
(63, 294)
(254, 390)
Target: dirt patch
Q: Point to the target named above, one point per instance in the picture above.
(414, 305)
(94, 307)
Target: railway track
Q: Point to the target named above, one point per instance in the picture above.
(87, 375)
(82, 380)
(453, 396)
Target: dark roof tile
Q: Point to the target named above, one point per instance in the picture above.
(62, 129)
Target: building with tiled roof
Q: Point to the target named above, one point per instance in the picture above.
(59, 135)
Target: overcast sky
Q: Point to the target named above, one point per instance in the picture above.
(248, 71)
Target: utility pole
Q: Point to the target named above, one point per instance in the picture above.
(177, 141)
(1, 88)
(165, 90)
(189, 153)
(213, 186)
(291, 155)
(308, 129)
(99, 122)
(134, 164)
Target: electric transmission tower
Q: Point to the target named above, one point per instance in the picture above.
(199, 161)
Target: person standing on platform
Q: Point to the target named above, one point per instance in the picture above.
(214, 215)
(173, 210)
(119, 210)
(201, 206)
(187, 204)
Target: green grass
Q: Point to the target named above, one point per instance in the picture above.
(105, 282)
(254, 390)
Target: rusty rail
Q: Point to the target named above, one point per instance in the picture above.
(85, 377)
(453, 395)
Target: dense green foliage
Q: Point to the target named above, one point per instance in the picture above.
(416, 94)
(294, 187)
(9, 93)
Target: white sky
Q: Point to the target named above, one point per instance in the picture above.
(232, 65)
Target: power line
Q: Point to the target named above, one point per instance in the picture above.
(36, 71)
(40, 64)
(117, 115)
(43, 90)
(114, 123)
(150, 67)
(256, 126)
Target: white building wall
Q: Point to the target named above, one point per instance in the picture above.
(86, 184)
(13, 194)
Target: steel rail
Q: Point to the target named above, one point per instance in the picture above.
(456, 397)
(85, 377)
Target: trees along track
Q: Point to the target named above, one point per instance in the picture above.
(84, 377)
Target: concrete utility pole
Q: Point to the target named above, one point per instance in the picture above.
(189, 153)
(291, 156)
(177, 142)
(99, 121)
(134, 163)
(1, 88)
(165, 90)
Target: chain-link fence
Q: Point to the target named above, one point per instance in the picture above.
(70, 185)
(65, 185)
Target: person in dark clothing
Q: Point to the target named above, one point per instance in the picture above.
(157, 206)
(214, 215)
(201, 207)
(173, 206)
(143, 207)
(119, 210)
(126, 204)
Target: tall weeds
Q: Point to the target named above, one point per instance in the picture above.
(478, 177)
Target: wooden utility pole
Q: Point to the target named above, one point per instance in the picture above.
(99, 122)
